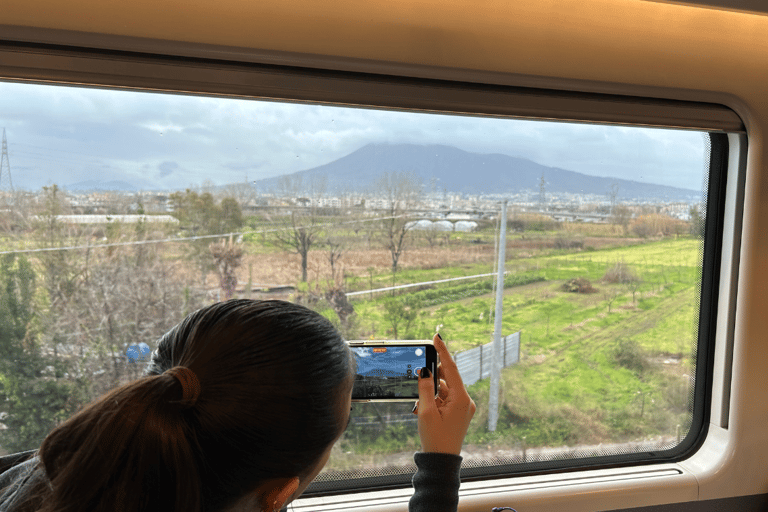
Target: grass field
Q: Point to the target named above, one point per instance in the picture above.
(608, 366)
(602, 367)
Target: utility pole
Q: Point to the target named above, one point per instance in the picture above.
(493, 400)
(5, 168)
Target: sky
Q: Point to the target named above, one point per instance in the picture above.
(66, 135)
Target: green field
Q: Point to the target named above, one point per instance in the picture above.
(607, 366)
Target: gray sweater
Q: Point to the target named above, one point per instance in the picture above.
(435, 484)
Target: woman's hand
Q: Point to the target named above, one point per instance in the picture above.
(443, 420)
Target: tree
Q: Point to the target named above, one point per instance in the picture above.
(398, 312)
(231, 215)
(299, 233)
(697, 221)
(227, 254)
(401, 192)
(32, 398)
(335, 249)
(199, 214)
(244, 193)
(59, 270)
(620, 216)
(126, 297)
(610, 295)
(301, 227)
(430, 234)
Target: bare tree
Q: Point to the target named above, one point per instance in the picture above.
(610, 295)
(244, 193)
(123, 298)
(430, 234)
(300, 229)
(227, 255)
(335, 250)
(300, 234)
(621, 215)
(400, 192)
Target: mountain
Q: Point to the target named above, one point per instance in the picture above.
(448, 168)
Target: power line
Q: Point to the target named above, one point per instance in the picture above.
(182, 239)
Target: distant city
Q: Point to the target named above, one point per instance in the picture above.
(85, 207)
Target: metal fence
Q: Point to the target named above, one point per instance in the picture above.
(475, 364)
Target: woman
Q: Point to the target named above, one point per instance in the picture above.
(241, 405)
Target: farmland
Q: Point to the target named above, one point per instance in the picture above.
(612, 365)
(608, 319)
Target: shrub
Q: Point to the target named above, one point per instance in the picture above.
(578, 285)
(656, 224)
(631, 356)
(620, 272)
(532, 222)
(567, 243)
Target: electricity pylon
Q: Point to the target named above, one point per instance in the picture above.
(6, 184)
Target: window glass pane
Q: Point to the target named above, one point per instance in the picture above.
(124, 211)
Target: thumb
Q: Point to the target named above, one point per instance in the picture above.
(426, 391)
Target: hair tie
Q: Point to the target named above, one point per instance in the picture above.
(189, 384)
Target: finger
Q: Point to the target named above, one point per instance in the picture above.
(450, 370)
(426, 391)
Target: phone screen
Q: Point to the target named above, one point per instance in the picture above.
(389, 372)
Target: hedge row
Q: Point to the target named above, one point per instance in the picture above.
(442, 295)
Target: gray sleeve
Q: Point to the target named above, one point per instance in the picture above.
(16, 482)
(436, 483)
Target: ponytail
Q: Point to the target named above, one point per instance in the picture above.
(274, 378)
(131, 450)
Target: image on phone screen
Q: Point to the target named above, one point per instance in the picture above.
(388, 372)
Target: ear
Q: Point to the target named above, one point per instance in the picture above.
(278, 492)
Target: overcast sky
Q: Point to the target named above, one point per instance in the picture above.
(66, 135)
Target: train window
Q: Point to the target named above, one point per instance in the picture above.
(122, 211)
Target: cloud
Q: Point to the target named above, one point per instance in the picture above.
(167, 168)
(184, 140)
(162, 128)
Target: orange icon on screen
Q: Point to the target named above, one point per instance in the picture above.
(380, 350)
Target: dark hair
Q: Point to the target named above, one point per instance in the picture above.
(272, 375)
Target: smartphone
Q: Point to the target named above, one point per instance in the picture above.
(388, 371)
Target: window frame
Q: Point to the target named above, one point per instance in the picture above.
(301, 82)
